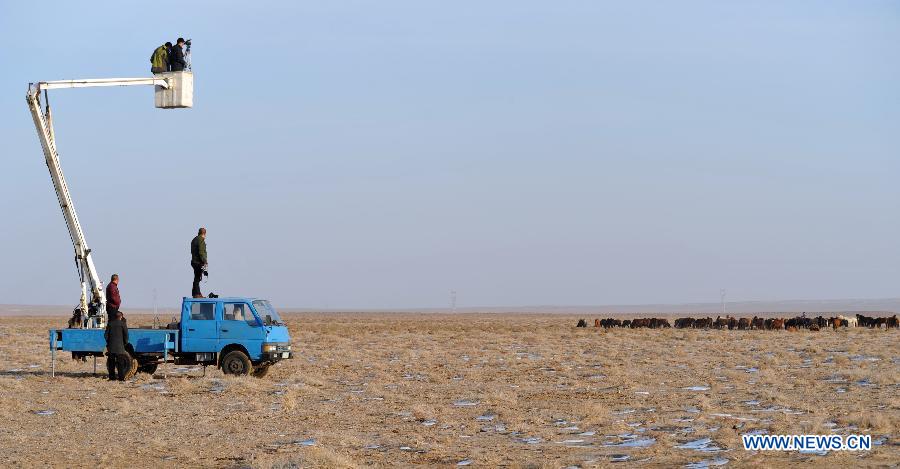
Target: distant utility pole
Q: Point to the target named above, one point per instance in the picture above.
(155, 310)
(453, 300)
(722, 295)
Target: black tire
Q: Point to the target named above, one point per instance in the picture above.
(148, 368)
(236, 363)
(260, 371)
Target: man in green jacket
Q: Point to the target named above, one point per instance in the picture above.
(159, 61)
(198, 260)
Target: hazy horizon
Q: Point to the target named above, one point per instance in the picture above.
(881, 305)
(380, 155)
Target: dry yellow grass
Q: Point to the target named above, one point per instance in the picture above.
(396, 389)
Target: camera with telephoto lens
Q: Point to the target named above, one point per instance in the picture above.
(205, 272)
(188, 44)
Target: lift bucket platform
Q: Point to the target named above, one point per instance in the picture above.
(179, 94)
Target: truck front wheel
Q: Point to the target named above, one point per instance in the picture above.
(236, 363)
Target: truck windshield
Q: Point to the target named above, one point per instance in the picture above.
(267, 313)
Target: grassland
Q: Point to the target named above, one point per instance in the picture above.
(429, 389)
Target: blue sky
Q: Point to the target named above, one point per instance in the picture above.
(377, 154)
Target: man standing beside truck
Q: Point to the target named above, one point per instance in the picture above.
(198, 261)
(117, 358)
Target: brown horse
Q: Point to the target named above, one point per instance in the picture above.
(703, 323)
(892, 322)
(732, 323)
(636, 323)
(758, 323)
(720, 322)
(683, 323)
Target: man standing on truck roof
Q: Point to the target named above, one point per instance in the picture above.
(117, 358)
(198, 261)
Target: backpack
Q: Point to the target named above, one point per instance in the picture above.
(159, 60)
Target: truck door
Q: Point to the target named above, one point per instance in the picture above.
(199, 329)
(239, 326)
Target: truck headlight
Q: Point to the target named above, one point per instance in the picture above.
(269, 347)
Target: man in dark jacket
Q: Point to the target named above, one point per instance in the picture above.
(176, 57)
(113, 303)
(198, 260)
(118, 360)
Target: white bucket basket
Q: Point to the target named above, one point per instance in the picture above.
(179, 94)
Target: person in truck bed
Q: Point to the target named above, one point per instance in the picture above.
(113, 300)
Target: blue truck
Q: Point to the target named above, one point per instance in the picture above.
(242, 336)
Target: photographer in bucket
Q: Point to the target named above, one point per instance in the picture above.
(176, 57)
(159, 61)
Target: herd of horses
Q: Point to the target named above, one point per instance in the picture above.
(757, 323)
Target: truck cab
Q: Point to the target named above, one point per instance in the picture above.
(240, 335)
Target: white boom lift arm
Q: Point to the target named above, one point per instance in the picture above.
(93, 309)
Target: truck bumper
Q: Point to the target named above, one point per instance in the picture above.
(275, 356)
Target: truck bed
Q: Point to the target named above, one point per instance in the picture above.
(91, 340)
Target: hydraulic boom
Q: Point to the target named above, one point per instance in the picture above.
(92, 306)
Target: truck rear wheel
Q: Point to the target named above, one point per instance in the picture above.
(148, 368)
(132, 368)
(236, 363)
